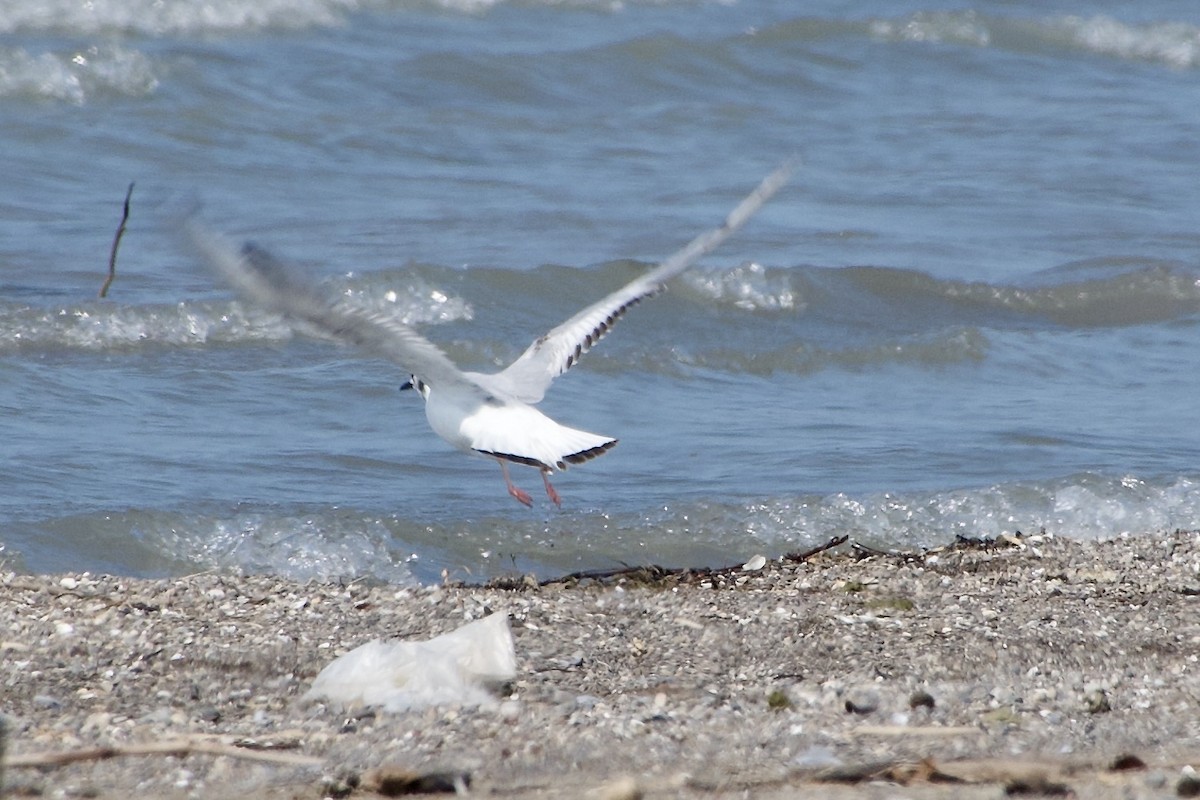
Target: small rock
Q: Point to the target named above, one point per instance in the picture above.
(1096, 702)
(778, 700)
(1003, 715)
(1126, 761)
(1189, 783)
(341, 784)
(816, 757)
(47, 702)
(921, 699)
(1156, 779)
(510, 710)
(160, 716)
(1003, 696)
(862, 701)
(97, 722)
(208, 714)
(1037, 785)
(390, 780)
(620, 789)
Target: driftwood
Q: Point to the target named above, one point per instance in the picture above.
(656, 573)
(653, 574)
(112, 254)
(213, 746)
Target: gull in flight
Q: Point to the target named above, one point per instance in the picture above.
(489, 414)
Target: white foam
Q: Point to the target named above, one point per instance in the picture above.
(103, 326)
(157, 18)
(1174, 43)
(749, 286)
(1081, 507)
(958, 27)
(326, 547)
(77, 75)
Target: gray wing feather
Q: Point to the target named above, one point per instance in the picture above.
(264, 281)
(551, 355)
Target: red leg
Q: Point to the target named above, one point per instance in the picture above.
(550, 492)
(521, 495)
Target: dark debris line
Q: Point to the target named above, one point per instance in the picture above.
(653, 575)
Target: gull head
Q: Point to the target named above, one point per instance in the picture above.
(414, 382)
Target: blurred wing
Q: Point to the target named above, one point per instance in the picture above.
(530, 375)
(264, 281)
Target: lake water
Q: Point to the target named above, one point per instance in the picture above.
(975, 309)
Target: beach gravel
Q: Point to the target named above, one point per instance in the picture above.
(1033, 666)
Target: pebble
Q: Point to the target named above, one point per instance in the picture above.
(509, 710)
(45, 701)
(862, 701)
(1188, 784)
(625, 788)
(1097, 702)
(921, 699)
(208, 714)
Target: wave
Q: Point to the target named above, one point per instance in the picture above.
(1086, 506)
(1104, 293)
(76, 75)
(748, 319)
(333, 543)
(1175, 44)
(660, 61)
(104, 326)
(1092, 294)
(328, 544)
(152, 18)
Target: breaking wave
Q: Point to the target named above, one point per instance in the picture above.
(76, 75)
(154, 18)
(331, 543)
(1175, 44)
(747, 318)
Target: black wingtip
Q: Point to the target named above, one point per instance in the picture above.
(588, 455)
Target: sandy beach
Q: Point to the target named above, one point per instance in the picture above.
(1034, 665)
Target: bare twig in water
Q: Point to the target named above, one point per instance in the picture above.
(112, 255)
(171, 747)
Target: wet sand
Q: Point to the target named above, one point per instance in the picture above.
(1029, 665)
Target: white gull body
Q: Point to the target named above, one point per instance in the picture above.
(489, 414)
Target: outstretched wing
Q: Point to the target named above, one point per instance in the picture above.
(551, 355)
(261, 279)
